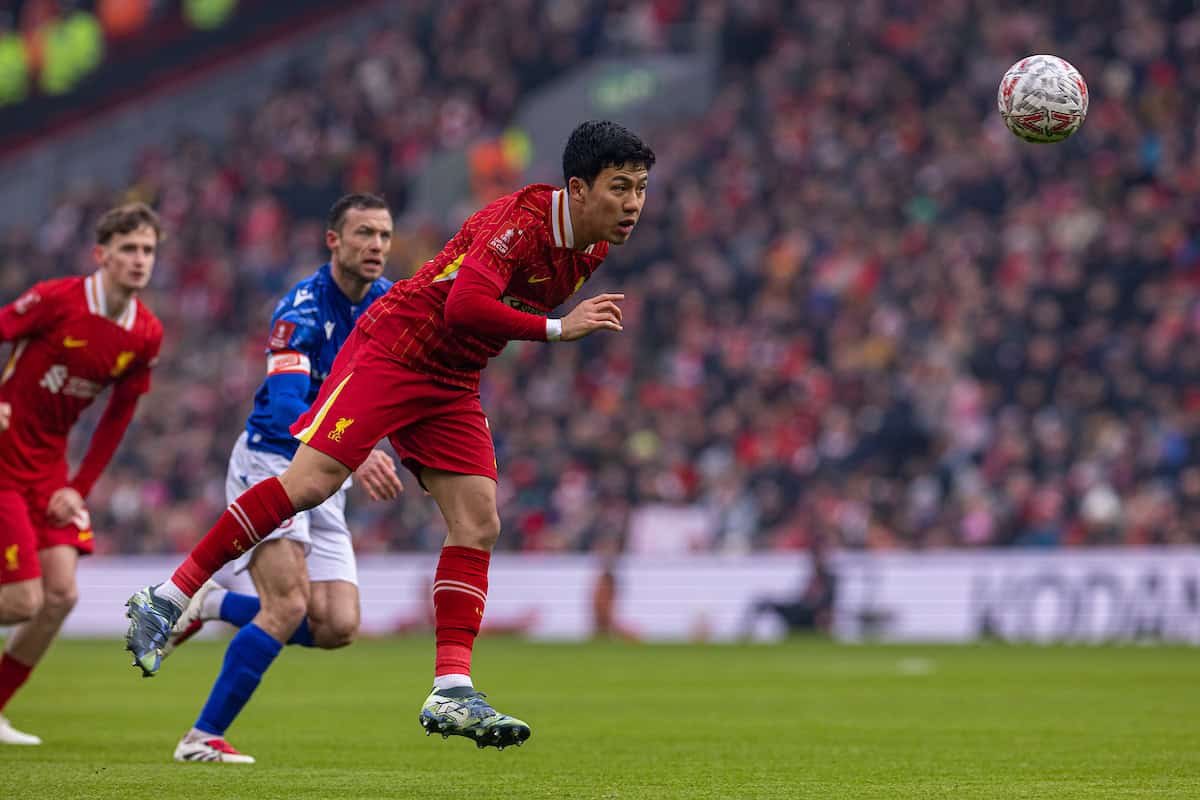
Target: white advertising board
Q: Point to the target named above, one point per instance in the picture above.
(951, 596)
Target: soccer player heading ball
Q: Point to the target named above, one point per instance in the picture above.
(410, 372)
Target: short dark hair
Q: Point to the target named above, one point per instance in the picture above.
(337, 214)
(127, 219)
(597, 144)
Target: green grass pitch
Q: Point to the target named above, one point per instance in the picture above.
(611, 721)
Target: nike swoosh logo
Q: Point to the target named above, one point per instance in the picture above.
(541, 279)
(72, 342)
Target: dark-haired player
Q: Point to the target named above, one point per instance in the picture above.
(73, 337)
(410, 372)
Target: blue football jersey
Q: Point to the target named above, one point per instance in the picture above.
(309, 326)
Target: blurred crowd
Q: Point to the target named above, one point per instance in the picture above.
(860, 313)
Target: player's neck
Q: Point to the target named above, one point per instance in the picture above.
(116, 298)
(581, 239)
(354, 288)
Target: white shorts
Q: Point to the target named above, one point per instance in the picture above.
(328, 548)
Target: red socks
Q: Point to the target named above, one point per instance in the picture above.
(259, 510)
(459, 596)
(12, 674)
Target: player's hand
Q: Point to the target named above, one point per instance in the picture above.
(599, 313)
(65, 505)
(5, 415)
(378, 475)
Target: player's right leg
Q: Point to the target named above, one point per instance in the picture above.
(21, 599)
(20, 571)
(454, 707)
(30, 640)
(309, 480)
(281, 578)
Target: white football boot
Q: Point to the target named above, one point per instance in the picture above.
(212, 749)
(10, 735)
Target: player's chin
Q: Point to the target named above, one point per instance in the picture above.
(620, 234)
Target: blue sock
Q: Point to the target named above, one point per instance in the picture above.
(303, 636)
(249, 654)
(240, 609)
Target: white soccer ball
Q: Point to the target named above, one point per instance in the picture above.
(1043, 99)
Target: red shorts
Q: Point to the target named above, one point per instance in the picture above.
(369, 396)
(24, 530)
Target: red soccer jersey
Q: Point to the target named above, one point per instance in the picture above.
(524, 242)
(66, 352)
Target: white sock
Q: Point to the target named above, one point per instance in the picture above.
(442, 682)
(197, 735)
(177, 596)
(211, 607)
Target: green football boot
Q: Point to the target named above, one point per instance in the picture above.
(462, 711)
(150, 621)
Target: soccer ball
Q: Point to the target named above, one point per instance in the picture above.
(1042, 99)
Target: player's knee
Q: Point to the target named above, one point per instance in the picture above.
(480, 533)
(17, 606)
(308, 489)
(59, 601)
(286, 609)
(336, 632)
(312, 478)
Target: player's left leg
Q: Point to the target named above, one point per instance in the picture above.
(333, 614)
(281, 578)
(32, 639)
(468, 504)
(333, 607)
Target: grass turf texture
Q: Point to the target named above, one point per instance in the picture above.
(803, 720)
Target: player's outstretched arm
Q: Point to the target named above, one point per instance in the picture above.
(599, 313)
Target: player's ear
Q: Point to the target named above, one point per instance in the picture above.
(98, 253)
(577, 189)
(331, 239)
